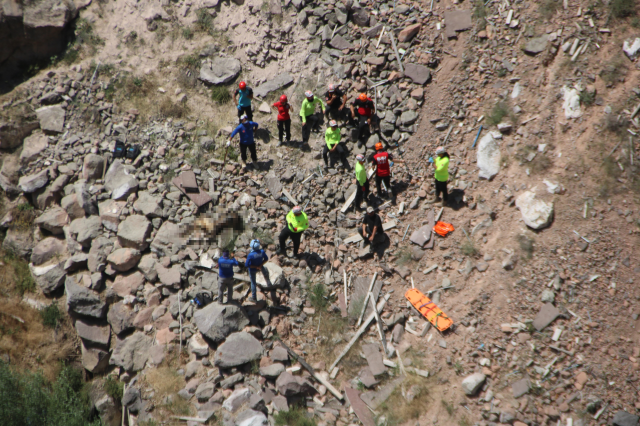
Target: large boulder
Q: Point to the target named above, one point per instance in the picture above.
(134, 231)
(419, 74)
(124, 259)
(536, 213)
(33, 31)
(110, 211)
(33, 147)
(132, 353)
(251, 417)
(216, 321)
(49, 278)
(47, 249)
(13, 133)
(276, 276)
(120, 180)
(86, 230)
(471, 384)
(93, 334)
(19, 241)
(239, 348)
(148, 205)
(83, 301)
(488, 157)
(94, 360)
(121, 317)
(53, 220)
(290, 385)
(93, 167)
(51, 118)
(220, 70)
(101, 247)
(167, 235)
(52, 193)
(10, 174)
(281, 80)
(32, 183)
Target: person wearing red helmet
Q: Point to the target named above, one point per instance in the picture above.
(284, 120)
(382, 163)
(364, 109)
(336, 101)
(242, 98)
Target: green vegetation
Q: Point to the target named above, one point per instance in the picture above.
(468, 248)
(614, 71)
(220, 94)
(17, 270)
(464, 421)
(622, 8)
(23, 216)
(548, 8)
(29, 399)
(479, 14)
(296, 416)
(502, 72)
(398, 409)
(404, 256)
(587, 98)
(498, 113)
(265, 237)
(447, 406)
(526, 245)
(51, 315)
(187, 33)
(114, 388)
(316, 296)
(204, 21)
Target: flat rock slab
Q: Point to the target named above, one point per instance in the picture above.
(277, 83)
(341, 43)
(360, 288)
(220, 70)
(546, 316)
(274, 185)
(457, 20)
(375, 399)
(198, 196)
(520, 387)
(419, 74)
(488, 157)
(622, 418)
(374, 358)
(51, 118)
(421, 235)
(359, 407)
(367, 378)
(536, 45)
(238, 349)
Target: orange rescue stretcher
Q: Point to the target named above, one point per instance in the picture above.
(428, 309)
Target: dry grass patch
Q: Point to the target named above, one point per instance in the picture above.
(400, 409)
(165, 380)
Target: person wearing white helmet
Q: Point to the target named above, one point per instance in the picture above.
(336, 101)
(254, 263)
(333, 146)
(297, 222)
(362, 182)
(307, 113)
(441, 174)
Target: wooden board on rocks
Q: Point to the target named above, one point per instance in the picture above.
(431, 224)
(359, 407)
(200, 198)
(360, 288)
(274, 185)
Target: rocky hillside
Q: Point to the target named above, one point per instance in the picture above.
(537, 106)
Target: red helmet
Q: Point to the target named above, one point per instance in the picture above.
(363, 97)
(283, 98)
(242, 85)
(378, 146)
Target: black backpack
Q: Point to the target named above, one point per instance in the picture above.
(202, 299)
(133, 151)
(119, 150)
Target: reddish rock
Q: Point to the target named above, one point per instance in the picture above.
(409, 32)
(165, 336)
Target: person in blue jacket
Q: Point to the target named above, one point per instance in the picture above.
(245, 130)
(255, 262)
(225, 276)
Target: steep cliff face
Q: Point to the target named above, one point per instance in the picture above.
(32, 31)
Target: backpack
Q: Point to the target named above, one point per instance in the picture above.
(119, 150)
(133, 151)
(202, 299)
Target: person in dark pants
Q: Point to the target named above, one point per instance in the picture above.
(336, 101)
(382, 162)
(307, 114)
(242, 97)
(245, 129)
(362, 182)
(284, 120)
(254, 263)
(441, 174)
(332, 138)
(371, 229)
(225, 276)
(364, 109)
(297, 222)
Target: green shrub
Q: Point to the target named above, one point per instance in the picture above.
(22, 277)
(296, 416)
(622, 8)
(220, 94)
(499, 111)
(29, 399)
(316, 296)
(204, 20)
(114, 388)
(51, 315)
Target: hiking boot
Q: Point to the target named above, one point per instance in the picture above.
(243, 164)
(252, 300)
(280, 252)
(444, 203)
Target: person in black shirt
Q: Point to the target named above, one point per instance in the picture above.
(371, 229)
(336, 101)
(364, 109)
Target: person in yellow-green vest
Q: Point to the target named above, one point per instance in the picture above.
(362, 183)
(441, 165)
(307, 114)
(332, 138)
(297, 222)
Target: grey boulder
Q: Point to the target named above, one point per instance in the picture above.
(148, 205)
(277, 83)
(132, 353)
(49, 278)
(53, 220)
(92, 167)
(120, 317)
(33, 146)
(239, 348)
(51, 118)
(471, 384)
(86, 229)
(83, 301)
(488, 157)
(134, 231)
(120, 180)
(220, 70)
(32, 183)
(217, 321)
(536, 213)
(290, 385)
(419, 74)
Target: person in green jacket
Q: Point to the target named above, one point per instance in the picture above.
(307, 114)
(297, 222)
(332, 137)
(441, 164)
(362, 183)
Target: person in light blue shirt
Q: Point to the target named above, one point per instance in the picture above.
(242, 97)
(254, 263)
(225, 276)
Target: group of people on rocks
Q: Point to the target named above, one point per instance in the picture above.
(362, 117)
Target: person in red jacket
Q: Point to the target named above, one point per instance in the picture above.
(382, 162)
(284, 121)
(364, 109)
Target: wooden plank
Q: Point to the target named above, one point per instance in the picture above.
(431, 224)
(366, 300)
(349, 201)
(379, 324)
(359, 332)
(343, 305)
(389, 225)
(359, 407)
(356, 238)
(359, 293)
(200, 198)
(290, 197)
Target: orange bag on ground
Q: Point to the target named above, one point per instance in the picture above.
(443, 228)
